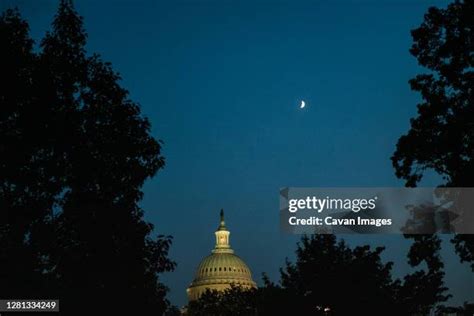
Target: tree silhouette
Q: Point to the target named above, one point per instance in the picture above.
(328, 275)
(440, 137)
(234, 301)
(27, 191)
(423, 290)
(74, 154)
(330, 278)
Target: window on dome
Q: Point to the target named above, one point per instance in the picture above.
(220, 269)
(225, 269)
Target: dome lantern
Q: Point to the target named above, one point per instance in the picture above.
(222, 237)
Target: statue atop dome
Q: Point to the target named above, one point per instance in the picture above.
(222, 223)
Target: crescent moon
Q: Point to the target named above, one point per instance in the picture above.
(303, 104)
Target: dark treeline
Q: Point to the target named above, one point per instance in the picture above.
(330, 278)
(75, 152)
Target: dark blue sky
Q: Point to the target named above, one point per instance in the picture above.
(221, 82)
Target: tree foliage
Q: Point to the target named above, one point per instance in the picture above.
(331, 278)
(423, 290)
(74, 154)
(234, 301)
(441, 137)
(329, 274)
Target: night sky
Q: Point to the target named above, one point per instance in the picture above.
(221, 82)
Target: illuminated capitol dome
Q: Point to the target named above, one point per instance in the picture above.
(221, 268)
